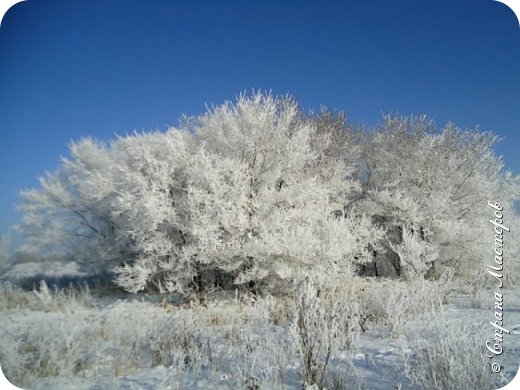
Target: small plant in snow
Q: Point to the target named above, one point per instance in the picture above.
(477, 288)
(319, 332)
(62, 299)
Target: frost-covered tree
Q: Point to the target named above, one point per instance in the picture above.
(432, 187)
(151, 203)
(276, 219)
(256, 194)
(70, 215)
(246, 194)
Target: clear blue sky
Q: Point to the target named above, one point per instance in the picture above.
(94, 68)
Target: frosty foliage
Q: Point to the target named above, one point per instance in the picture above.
(322, 328)
(396, 304)
(433, 185)
(447, 355)
(66, 338)
(256, 194)
(416, 254)
(76, 338)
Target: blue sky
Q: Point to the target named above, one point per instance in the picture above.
(70, 69)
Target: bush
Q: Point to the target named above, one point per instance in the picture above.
(62, 299)
(446, 355)
(396, 303)
(322, 327)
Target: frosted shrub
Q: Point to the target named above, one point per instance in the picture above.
(57, 346)
(416, 255)
(448, 355)
(80, 342)
(477, 286)
(320, 330)
(62, 299)
(396, 303)
(263, 195)
(12, 297)
(181, 342)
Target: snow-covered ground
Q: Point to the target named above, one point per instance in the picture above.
(396, 331)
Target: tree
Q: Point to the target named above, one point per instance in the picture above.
(70, 214)
(433, 186)
(280, 222)
(245, 194)
(256, 194)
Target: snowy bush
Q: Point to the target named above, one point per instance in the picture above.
(49, 344)
(416, 255)
(62, 299)
(395, 304)
(12, 297)
(56, 336)
(180, 342)
(321, 328)
(82, 341)
(448, 355)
